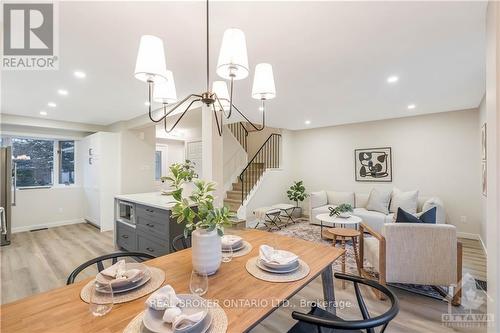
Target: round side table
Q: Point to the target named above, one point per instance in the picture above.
(344, 234)
(334, 220)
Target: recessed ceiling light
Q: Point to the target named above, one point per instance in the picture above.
(261, 108)
(307, 122)
(411, 106)
(392, 79)
(52, 104)
(79, 74)
(43, 113)
(146, 103)
(63, 92)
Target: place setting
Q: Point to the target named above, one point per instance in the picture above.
(234, 246)
(275, 265)
(168, 312)
(121, 282)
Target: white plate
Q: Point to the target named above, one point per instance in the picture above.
(103, 279)
(262, 266)
(239, 247)
(131, 286)
(153, 319)
(283, 254)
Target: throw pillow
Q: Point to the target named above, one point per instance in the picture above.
(408, 201)
(425, 217)
(379, 201)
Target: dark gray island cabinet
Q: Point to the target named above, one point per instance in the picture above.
(143, 223)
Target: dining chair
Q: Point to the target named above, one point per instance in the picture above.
(181, 243)
(322, 321)
(138, 256)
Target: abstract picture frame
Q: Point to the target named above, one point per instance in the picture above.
(373, 164)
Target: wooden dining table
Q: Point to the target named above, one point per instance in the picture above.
(62, 310)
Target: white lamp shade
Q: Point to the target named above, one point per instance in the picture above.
(164, 90)
(220, 89)
(263, 82)
(233, 59)
(150, 63)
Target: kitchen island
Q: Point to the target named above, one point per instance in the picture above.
(143, 223)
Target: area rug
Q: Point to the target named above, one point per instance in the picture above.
(310, 232)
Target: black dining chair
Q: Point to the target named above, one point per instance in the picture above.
(137, 256)
(322, 321)
(181, 243)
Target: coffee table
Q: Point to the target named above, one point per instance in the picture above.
(343, 221)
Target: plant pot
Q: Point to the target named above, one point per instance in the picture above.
(206, 251)
(297, 212)
(345, 215)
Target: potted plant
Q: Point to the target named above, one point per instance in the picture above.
(297, 192)
(343, 210)
(204, 222)
(186, 171)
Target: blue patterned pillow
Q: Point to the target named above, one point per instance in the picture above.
(427, 217)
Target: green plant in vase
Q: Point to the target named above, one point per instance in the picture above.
(297, 192)
(342, 210)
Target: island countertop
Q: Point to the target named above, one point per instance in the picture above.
(152, 199)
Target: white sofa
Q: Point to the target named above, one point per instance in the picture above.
(319, 202)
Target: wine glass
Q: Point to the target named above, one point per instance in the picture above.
(227, 254)
(198, 283)
(101, 299)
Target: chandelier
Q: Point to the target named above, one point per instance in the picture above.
(232, 65)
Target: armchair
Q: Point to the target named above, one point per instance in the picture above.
(426, 254)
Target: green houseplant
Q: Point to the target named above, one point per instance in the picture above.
(203, 221)
(297, 192)
(342, 210)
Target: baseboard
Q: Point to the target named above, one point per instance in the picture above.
(47, 225)
(468, 235)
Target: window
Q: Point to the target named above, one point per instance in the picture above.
(158, 165)
(42, 162)
(66, 162)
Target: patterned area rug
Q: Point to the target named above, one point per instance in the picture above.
(310, 232)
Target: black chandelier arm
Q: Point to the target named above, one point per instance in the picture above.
(231, 97)
(250, 122)
(221, 108)
(219, 125)
(165, 113)
(179, 119)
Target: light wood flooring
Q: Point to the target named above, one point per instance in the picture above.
(42, 260)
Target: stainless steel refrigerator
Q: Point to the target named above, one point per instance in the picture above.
(7, 194)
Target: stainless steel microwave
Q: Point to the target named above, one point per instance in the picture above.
(126, 212)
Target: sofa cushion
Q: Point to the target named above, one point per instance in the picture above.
(373, 219)
(337, 198)
(317, 199)
(320, 210)
(440, 212)
(379, 201)
(408, 201)
(425, 217)
(361, 200)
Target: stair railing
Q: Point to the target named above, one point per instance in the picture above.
(240, 133)
(268, 156)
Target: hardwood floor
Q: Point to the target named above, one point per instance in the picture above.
(42, 260)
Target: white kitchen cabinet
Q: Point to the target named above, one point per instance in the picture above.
(101, 177)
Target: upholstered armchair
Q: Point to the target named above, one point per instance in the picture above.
(415, 253)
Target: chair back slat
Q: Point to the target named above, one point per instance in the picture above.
(100, 266)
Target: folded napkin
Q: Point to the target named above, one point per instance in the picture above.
(163, 299)
(119, 271)
(270, 255)
(230, 240)
(183, 322)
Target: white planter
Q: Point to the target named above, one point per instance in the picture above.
(345, 215)
(206, 251)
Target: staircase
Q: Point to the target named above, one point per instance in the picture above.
(240, 133)
(268, 156)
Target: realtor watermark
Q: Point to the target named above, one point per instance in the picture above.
(472, 311)
(30, 36)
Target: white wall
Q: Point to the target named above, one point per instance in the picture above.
(235, 158)
(483, 120)
(437, 154)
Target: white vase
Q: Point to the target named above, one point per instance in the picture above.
(206, 251)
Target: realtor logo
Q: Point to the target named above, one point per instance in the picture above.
(29, 36)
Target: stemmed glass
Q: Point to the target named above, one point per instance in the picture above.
(101, 299)
(227, 254)
(198, 283)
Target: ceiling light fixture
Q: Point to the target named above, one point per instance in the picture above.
(52, 104)
(63, 92)
(43, 113)
(232, 65)
(79, 74)
(392, 79)
(411, 106)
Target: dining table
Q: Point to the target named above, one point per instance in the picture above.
(62, 310)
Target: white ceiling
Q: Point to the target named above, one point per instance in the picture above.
(330, 59)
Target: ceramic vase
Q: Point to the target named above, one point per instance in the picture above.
(206, 251)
